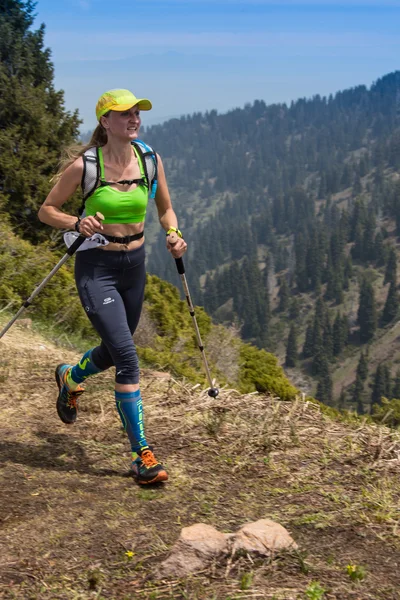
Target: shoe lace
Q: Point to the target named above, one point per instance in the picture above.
(72, 398)
(148, 459)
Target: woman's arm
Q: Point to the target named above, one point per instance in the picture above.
(166, 213)
(50, 212)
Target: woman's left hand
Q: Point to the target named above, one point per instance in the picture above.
(177, 247)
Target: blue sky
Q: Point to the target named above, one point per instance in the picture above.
(196, 55)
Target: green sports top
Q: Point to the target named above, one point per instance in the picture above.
(117, 206)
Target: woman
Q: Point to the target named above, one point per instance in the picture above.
(110, 279)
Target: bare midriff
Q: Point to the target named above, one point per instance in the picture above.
(123, 230)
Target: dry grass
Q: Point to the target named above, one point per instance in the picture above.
(76, 527)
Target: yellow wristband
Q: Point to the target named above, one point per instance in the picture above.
(175, 230)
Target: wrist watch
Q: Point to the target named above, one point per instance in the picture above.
(175, 230)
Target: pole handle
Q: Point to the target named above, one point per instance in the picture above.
(172, 239)
(79, 240)
(180, 266)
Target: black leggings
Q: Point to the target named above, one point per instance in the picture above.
(111, 289)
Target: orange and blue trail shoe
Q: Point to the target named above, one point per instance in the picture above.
(146, 468)
(67, 401)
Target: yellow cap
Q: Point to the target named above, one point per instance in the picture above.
(119, 100)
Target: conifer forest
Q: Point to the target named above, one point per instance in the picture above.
(293, 217)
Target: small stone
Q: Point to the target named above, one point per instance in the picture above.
(196, 547)
(204, 539)
(263, 537)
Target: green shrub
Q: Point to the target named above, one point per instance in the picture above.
(171, 314)
(259, 370)
(23, 267)
(388, 413)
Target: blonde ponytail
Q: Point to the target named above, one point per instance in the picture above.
(70, 154)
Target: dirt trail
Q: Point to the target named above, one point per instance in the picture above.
(75, 526)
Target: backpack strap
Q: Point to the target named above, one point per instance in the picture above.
(150, 165)
(91, 170)
(90, 175)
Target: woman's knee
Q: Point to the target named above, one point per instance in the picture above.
(127, 367)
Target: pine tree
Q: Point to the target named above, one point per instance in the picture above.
(344, 227)
(308, 347)
(366, 311)
(368, 251)
(291, 348)
(294, 309)
(34, 125)
(341, 404)
(314, 261)
(337, 335)
(380, 250)
(209, 295)
(357, 251)
(347, 273)
(387, 388)
(345, 330)
(335, 284)
(357, 220)
(325, 386)
(301, 269)
(284, 296)
(362, 367)
(358, 395)
(391, 267)
(396, 386)
(318, 362)
(391, 307)
(379, 386)
(319, 327)
(327, 337)
(340, 334)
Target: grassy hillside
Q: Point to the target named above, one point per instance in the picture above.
(74, 526)
(165, 337)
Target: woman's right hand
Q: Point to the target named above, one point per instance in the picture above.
(88, 226)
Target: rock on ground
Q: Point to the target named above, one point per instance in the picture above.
(196, 547)
(200, 544)
(263, 537)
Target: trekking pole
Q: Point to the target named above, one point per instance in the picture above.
(213, 391)
(71, 250)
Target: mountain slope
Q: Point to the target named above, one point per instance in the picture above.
(305, 196)
(75, 526)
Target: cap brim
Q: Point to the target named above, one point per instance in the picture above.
(142, 104)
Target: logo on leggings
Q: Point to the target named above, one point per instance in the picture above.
(108, 300)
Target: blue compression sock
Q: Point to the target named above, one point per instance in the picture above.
(130, 409)
(83, 369)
